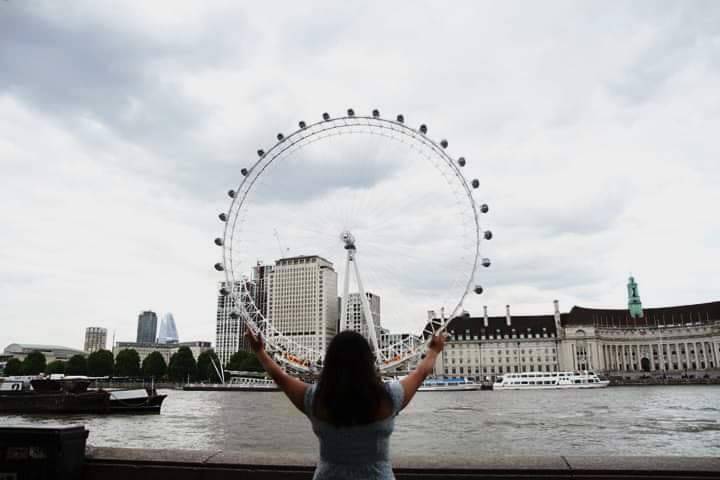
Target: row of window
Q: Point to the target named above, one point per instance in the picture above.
(492, 369)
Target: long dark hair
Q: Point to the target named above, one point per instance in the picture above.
(350, 392)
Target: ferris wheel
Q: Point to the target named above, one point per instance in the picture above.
(427, 212)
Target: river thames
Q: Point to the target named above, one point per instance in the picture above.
(675, 420)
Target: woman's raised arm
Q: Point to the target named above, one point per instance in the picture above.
(293, 388)
(412, 382)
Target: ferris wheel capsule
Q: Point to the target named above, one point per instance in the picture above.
(302, 124)
(231, 193)
(423, 129)
(326, 116)
(485, 262)
(488, 235)
(261, 153)
(244, 172)
(376, 113)
(444, 143)
(400, 118)
(350, 112)
(219, 267)
(219, 242)
(280, 137)
(461, 161)
(222, 217)
(484, 208)
(234, 315)
(478, 289)
(475, 183)
(224, 291)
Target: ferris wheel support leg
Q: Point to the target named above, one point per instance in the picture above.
(366, 310)
(346, 288)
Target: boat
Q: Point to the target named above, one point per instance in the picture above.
(72, 395)
(449, 384)
(236, 384)
(549, 380)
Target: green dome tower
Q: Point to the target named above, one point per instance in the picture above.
(634, 303)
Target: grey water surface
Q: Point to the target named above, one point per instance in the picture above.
(668, 420)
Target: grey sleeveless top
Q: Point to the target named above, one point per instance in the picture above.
(361, 452)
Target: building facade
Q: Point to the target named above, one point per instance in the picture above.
(230, 326)
(228, 331)
(146, 327)
(355, 316)
(667, 341)
(487, 347)
(166, 349)
(302, 301)
(167, 333)
(95, 339)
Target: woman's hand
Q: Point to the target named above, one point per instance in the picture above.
(257, 344)
(437, 342)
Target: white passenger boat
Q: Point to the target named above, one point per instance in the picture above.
(236, 384)
(548, 380)
(450, 384)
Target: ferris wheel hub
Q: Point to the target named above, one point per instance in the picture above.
(348, 239)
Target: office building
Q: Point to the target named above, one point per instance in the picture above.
(147, 327)
(168, 330)
(355, 314)
(302, 301)
(95, 339)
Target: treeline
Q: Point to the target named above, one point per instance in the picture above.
(182, 366)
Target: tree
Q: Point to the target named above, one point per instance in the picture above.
(154, 366)
(245, 361)
(77, 365)
(100, 363)
(34, 363)
(14, 367)
(57, 366)
(182, 365)
(206, 370)
(127, 363)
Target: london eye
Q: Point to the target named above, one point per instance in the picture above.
(384, 203)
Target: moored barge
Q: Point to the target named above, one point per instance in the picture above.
(71, 395)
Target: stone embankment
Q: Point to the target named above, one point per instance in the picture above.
(121, 464)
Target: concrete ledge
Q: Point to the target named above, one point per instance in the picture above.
(123, 464)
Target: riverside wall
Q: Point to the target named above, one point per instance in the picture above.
(103, 463)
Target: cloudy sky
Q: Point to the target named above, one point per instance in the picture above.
(593, 128)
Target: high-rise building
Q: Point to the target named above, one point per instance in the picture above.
(355, 316)
(167, 332)
(146, 327)
(302, 301)
(227, 325)
(95, 339)
(260, 279)
(230, 329)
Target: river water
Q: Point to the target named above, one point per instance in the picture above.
(669, 420)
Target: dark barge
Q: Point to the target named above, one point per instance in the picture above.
(72, 396)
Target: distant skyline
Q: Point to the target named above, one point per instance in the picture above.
(592, 127)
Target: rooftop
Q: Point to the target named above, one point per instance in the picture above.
(31, 347)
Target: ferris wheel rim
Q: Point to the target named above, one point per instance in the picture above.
(314, 132)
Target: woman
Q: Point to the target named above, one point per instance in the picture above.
(351, 410)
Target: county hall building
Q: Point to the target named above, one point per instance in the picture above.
(670, 341)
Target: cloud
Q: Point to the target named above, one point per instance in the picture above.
(590, 127)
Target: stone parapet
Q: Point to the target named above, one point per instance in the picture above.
(139, 464)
